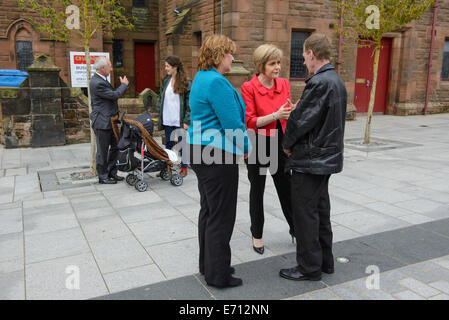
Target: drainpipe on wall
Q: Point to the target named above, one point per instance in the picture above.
(432, 41)
(340, 41)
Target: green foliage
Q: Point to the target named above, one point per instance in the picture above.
(394, 15)
(94, 15)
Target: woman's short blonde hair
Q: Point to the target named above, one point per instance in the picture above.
(265, 53)
(213, 50)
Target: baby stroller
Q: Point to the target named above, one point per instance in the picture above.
(136, 136)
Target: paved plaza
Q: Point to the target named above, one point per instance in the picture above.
(390, 214)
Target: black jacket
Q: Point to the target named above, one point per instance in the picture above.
(104, 102)
(315, 128)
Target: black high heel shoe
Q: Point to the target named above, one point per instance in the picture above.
(259, 250)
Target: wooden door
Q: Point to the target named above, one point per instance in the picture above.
(364, 77)
(144, 66)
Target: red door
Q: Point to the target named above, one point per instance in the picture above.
(364, 77)
(144, 66)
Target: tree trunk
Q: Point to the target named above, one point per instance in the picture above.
(93, 145)
(372, 96)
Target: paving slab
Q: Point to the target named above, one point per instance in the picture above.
(119, 254)
(56, 244)
(11, 266)
(55, 279)
(104, 228)
(167, 256)
(132, 278)
(368, 221)
(164, 230)
(13, 286)
(11, 246)
(11, 221)
(41, 220)
(148, 212)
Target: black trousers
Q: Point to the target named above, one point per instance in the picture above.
(217, 184)
(311, 218)
(107, 152)
(257, 182)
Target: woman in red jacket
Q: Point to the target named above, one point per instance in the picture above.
(268, 106)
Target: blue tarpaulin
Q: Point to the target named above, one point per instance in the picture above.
(12, 78)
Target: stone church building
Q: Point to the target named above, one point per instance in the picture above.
(166, 27)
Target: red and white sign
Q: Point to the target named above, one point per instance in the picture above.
(78, 67)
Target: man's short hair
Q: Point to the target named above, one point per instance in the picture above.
(100, 63)
(320, 45)
(265, 53)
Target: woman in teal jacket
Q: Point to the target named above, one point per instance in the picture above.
(173, 105)
(217, 140)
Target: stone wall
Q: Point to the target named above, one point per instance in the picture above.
(76, 116)
(15, 117)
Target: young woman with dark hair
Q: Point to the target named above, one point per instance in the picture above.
(174, 110)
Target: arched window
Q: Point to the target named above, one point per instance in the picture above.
(24, 49)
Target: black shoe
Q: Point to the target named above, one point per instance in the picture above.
(294, 274)
(232, 282)
(116, 177)
(328, 270)
(107, 181)
(259, 250)
(231, 270)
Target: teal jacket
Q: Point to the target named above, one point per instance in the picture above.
(217, 114)
(184, 109)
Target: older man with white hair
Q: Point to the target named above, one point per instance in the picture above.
(104, 106)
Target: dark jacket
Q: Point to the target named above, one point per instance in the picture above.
(184, 108)
(315, 128)
(104, 102)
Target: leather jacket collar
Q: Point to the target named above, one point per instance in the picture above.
(326, 67)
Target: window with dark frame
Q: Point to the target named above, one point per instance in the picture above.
(198, 38)
(445, 71)
(117, 53)
(139, 4)
(24, 54)
(297, 68)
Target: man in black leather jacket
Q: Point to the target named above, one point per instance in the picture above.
(314, 142)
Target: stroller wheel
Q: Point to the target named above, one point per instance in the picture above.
(141, 186)
(165, 175)
(131, 179)
(176, 180)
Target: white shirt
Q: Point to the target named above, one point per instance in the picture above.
(171, 111)
(102, 76)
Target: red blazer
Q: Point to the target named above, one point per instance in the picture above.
(260, 101)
